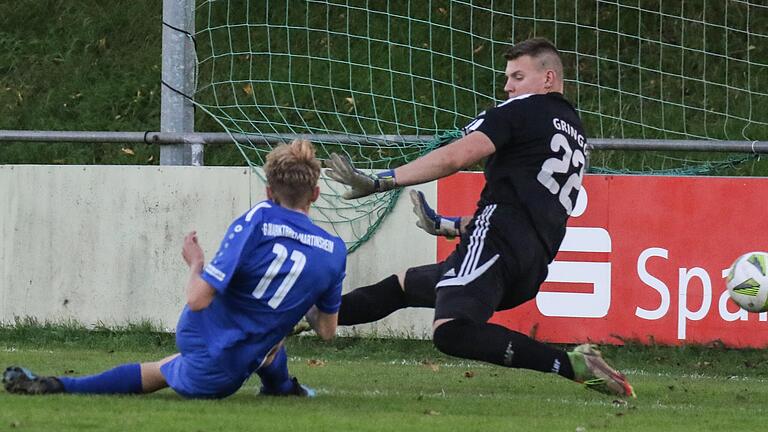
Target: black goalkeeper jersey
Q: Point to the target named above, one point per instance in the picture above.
(539, 160)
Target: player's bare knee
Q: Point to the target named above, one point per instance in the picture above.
(272, 353)
(401, 280)
(437, 323)
(152, 379)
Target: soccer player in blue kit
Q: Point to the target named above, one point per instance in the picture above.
(273, 267)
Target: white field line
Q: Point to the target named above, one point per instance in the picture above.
(607, 402)
(14, 349)
(478, 365)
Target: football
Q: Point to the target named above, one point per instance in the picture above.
(747, 281)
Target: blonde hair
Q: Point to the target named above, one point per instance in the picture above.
(292, 172)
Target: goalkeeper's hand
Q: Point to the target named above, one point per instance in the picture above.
(432, 222)
(360, 183)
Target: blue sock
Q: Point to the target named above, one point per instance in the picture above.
(275, 377)
(124, 379)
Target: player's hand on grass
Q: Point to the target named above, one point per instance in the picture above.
(361, 184)
(430, 221)
(191, 251)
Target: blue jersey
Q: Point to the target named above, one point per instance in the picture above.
(271, 267)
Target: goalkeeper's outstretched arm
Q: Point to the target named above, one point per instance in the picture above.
(440, 163)
(460, 154)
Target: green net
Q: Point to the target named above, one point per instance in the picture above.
(387, 81)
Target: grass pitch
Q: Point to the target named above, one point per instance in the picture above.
(391, 385)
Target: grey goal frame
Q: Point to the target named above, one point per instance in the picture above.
(192, 140)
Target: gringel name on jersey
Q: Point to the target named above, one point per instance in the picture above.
(276, 230)
(566, 128)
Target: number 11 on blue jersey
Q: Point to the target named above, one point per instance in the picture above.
(281, 254)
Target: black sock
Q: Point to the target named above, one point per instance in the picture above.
(372, 302)
(420, 286)
(498, 345)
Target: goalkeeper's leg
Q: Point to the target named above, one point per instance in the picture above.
(461, 329)
(414, 288)
(498, 345)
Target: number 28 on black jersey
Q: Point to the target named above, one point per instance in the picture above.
(539, 159)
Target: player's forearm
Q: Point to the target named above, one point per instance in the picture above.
(323, 324)
(437, 164)
(445, 161)
(199, 293)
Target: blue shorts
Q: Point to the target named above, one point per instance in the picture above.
(195, 374)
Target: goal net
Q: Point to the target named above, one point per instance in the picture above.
(386, 81)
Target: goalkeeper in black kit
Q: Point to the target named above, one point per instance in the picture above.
(535, 149)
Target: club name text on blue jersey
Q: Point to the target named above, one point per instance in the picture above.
(279, 230)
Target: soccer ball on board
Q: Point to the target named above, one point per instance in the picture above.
(748, 281)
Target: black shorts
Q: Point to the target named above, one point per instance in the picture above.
(500, 263)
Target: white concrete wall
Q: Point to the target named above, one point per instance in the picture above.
(101, 244)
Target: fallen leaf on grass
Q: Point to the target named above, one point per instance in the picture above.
(127, 151)
(315, 363)
(431, 365)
